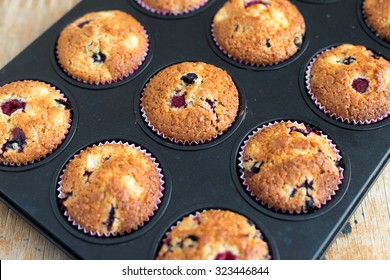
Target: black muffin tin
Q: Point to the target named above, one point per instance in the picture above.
(200, 176)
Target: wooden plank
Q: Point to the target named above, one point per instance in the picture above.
(21, 21)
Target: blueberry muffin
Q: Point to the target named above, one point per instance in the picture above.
(291, 167)
(214, 235)
(102, 47)
(174, 7)
(34, 121)
(110, 188)
(191, 102)
(351, 82)
(377, 13)
(259, 32)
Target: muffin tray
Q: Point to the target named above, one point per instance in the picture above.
(201, 176)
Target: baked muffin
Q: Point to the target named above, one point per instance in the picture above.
(351, 83)
(34, 121)
(214, 235)
(110, 188)
(377, 13)
(259, 32)
(173, 7)
(102, 47)
(190, 102)
(290, 167)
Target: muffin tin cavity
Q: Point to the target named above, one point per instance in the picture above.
(360, 84)
(178, 102)
(237, 171)
(142, 7)
(19, 138)
(252, 219)
(100, 58)
(58, 197)
(301, 42)
(366, 26)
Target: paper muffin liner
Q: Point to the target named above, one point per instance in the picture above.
(271, 207)
(369, 25)
(170, 13)
(173, 139)
(243, 61)
(324, 109)
(12, 164)
(195, 215)
(109, 82)
(111, 234)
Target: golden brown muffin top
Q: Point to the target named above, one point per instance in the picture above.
(378, 16)
(102, 47)
(34, 120)
(191, 101)
(291, 167)
(173, 6)
(261, 32)
(352, 82)
(110, 188)
(214, 235)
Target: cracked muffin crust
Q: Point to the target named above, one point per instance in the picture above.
(352, 82)
(172, 6)
(214, 235)
(110, 188)
(102, 47)
(191, 102)
(377, 13)
(291, 167)
(259, 32)
(34, 121)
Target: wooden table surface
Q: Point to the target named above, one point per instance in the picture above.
(367, 236)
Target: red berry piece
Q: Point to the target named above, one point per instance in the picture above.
(360, 85)
(178, 101)
(226, 256)
(82, 24)
(12, 106)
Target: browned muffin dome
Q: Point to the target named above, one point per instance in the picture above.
(214, 235)
(102, 47)
(34, 120)
(191, 101)
(110, 188)
(261, 32)
(290, 167)
(172, 6)
(352, 82)
(377, 13)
